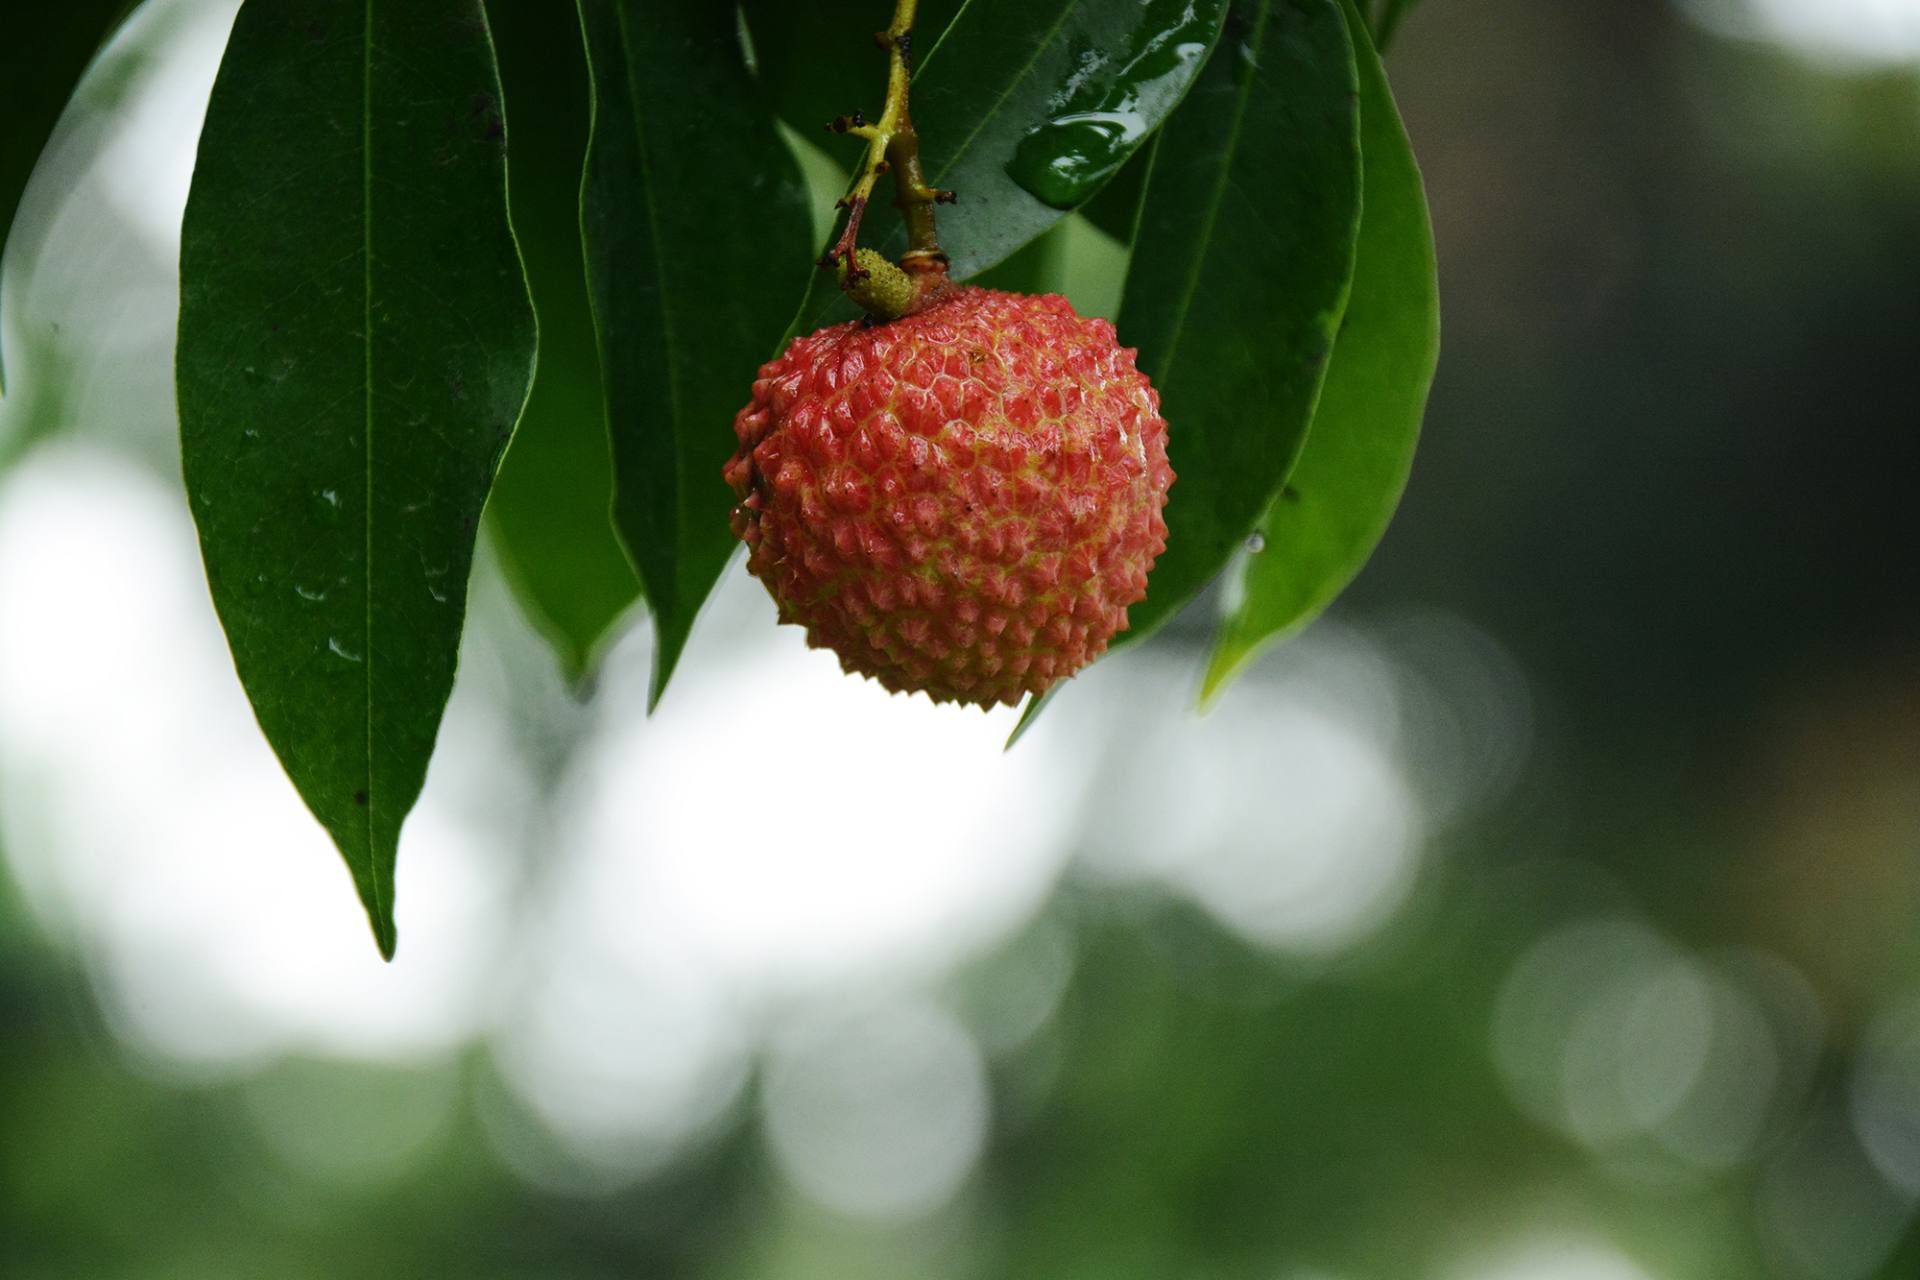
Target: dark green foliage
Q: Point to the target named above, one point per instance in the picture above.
(1292, 362)
(551, 509)
(814, 62)
(355, 345)
(1344, 489)
(1240, 272)
(696, 232)
(1116, 210)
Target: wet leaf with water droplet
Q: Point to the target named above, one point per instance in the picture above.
(1007, 68)
(1024, 107)
(1107, 106)
(1349, 478)
(347, 227)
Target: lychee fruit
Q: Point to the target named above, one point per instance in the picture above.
(963, 501)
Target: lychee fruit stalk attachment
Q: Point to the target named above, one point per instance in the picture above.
(893, 146)
(960, 495)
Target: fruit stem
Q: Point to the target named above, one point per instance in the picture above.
(893, 145)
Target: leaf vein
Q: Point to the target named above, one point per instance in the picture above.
(366, 333)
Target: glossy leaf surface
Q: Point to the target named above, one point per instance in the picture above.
(1026, 107)
(1240, 271)
(355, 346)
(42, 55)
(551, 513)
(1348, 481)
(697, 243)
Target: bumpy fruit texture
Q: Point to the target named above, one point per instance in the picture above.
(963, 501)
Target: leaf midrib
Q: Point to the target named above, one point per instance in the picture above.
(945, 31)
(366, 334)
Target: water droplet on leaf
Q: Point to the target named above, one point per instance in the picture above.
(1064, 161)
(1105, 106)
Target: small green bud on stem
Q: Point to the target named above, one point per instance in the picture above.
(882, 289)
(876, 286)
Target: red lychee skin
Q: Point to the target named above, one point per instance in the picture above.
(962, 502)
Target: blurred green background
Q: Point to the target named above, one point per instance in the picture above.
(1548, 912)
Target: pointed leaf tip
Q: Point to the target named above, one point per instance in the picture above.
(1029, 714)
(355, 344)
(550, 513)
(694, 217)
(1344, 489)
(386, 937)
(1255, 179)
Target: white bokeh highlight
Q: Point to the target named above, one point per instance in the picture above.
(149, 823)
(1841, 33)
(1664, 1063)
(1285, 812)
(878, 1113)
(1545, 1256)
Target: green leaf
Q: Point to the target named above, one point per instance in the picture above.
(1075, 260)
(1030, 713)
(1241, 261)
(697, 242)
(45, 50)
(1038, 266)
(1026, 108)
(551, 513)
(1240, 273)
(355, 345)
(1344, 489)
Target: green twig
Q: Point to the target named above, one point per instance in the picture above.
(893, 146)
